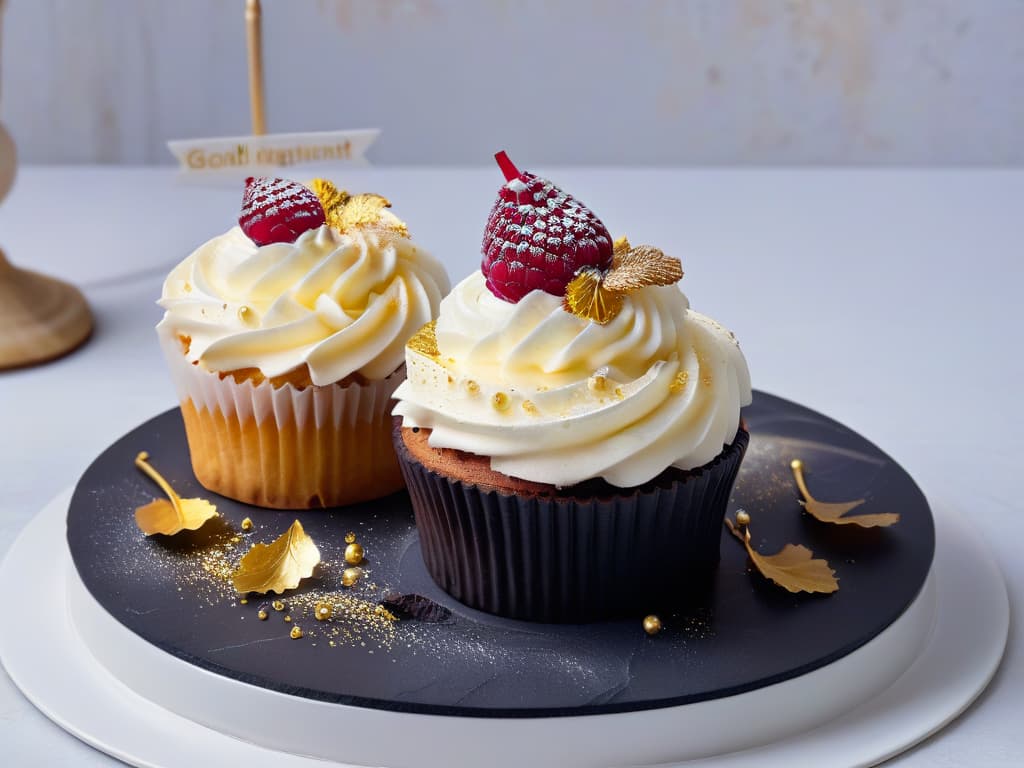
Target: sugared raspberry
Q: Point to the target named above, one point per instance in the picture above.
(278, 210)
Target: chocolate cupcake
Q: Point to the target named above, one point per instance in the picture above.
(570, 430)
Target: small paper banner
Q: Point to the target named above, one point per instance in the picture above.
(230, 157)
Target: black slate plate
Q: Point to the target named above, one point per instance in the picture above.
(746, 634)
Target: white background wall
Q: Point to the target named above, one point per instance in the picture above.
(562, 81)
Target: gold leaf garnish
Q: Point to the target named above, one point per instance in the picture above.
(424, 341)
(836, 512)
(642, 266)
(344, 211)
(679, 382)
(587, 297)
(277, 566)
(793, 568)
(174, 514)
(598, 296)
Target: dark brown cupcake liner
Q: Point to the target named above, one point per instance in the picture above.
(563, 558)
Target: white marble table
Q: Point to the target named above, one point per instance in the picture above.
(888, 299)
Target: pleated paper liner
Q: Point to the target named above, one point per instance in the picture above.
(564, 558)
(285, 447)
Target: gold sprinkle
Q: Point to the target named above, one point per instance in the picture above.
(679, 382)
(350, 576)
(530, 408)
(288, 618)
(296, 633)
(246, 315)
(424, 341)
(350, 538)
(354, 553)
(247, 524)
(597, 383)
(235, 539)
(472, 387)
(652, 624)
(262, 615)
(500, 401)
(278, 605)
(322, 611)
(619, 393)
(243, 601)
(187, 287)
(706, 380)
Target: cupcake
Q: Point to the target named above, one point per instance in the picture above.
(570, 430)
(285, 339)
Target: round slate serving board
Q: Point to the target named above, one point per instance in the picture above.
(746, 632)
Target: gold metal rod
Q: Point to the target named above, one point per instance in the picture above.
(142, 462)
(254, 43)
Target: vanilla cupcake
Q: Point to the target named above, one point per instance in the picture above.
(285, 340)
(569, 419)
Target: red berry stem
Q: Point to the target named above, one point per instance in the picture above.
(507, 168)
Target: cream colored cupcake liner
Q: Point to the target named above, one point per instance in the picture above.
(286, 447)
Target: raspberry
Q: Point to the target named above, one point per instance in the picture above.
(538, 237)
(278, 210)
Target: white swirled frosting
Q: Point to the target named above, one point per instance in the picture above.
(553, 398)
(337, 303)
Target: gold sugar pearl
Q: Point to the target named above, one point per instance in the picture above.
(287, 618)
(652, 624)
(500, 401)
(278, 605)
(350, 538)
(796, 464)
(472, 387)
(742, 518)
(296, 633)
(350, 576)
(354, 553)
(322, 611)
(247, 524)
(262, 615)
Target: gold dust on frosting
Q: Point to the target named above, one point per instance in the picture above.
(424, 341)
(530, 408)
(679, 382)
(472, 387)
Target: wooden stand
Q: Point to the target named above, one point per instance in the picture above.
(40, 318)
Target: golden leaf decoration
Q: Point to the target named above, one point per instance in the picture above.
(587, 297)
(344, 211)
(642, 266)
(173, 514)
(278, 566)
(794, 567)
(836, 512)
(599, 296)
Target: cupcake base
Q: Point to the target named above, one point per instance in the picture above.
(573, 554)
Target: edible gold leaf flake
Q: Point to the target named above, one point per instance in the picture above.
(642, 266)
(344, 211)
(835, 513)
(793, 568)
(598, 296)
(587, 297)
(424, 341)
(173, 514)
(278, 566)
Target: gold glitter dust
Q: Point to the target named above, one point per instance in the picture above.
(679, 382)
(424, 341)
(619, 393)
(287, 618)
(530, 408)
(247, 524)
(597, 383)
(243, 601)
